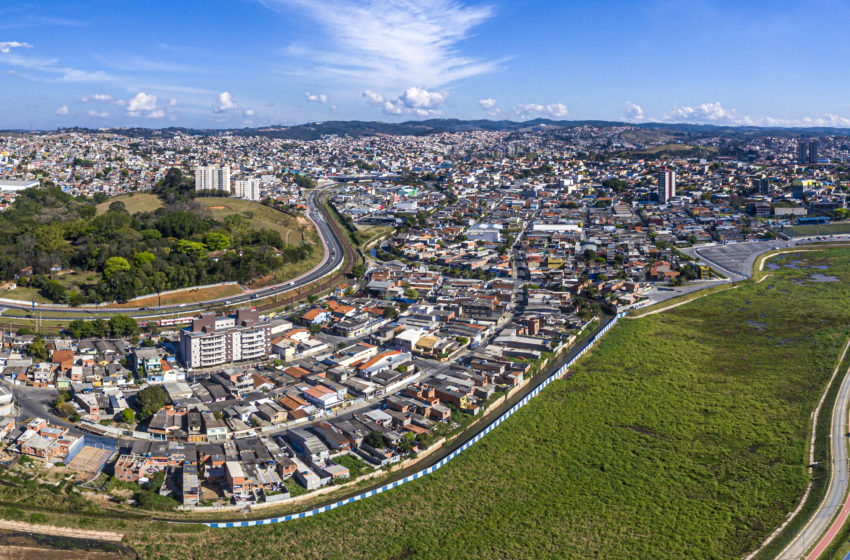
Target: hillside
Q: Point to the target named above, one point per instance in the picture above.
(68, 250)
(356, 129)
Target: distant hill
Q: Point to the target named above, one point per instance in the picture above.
(357, 129)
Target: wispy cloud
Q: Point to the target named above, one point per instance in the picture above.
(316, 97)
(394, 43)
(6, 46)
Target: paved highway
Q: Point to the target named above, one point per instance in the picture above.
(333, 257)
(820, 530)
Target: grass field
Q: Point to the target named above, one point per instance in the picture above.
(822, 229)
(134, 202)
(682, 436)
(291, 229)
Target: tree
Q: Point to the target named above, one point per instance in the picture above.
(117, 206)
(405, 445)
(122, 325)
(375, 439)
(188, 247)
(143, 258)
(99, 328)
(115, 264)
(462, 340)
(358, 271)
(150, 399)
(79, 329)
(411, 293)
(217, 241)
(38, 349)
(128, 416)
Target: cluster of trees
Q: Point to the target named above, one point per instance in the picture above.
(117, 326)
(149, 400)
(134, 254)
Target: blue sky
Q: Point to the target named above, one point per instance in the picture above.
(235, 63)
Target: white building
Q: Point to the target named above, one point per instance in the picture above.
(666, 186)
(248, 188)
(212, 178)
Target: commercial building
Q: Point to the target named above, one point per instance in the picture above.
(214, 340)
(212, 178)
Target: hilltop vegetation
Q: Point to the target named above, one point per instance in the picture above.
(683, 435)
(118, 255)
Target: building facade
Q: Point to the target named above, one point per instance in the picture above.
(666, 186)
(212, 340)
(212, 178)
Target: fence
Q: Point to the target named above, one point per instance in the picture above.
(556, 375)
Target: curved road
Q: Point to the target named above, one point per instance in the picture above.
(333, 257)
(821, 523)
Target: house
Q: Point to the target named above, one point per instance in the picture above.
(316, 317)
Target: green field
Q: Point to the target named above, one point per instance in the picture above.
(822, 229)
(683, 435)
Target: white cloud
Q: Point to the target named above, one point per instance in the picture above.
(394, 42)
(6, 46)
(556, 110)
(172, 102)
(142, 102)
(712, 112)
(633, 111)
(96, 97)
(63, 110)
(316, 97)
(158, 114)
(333, 109)
(248, 112)
(487, 104)
(419, 98)
(225, 102)
(414, 101)
(99, 114)
(373, 98)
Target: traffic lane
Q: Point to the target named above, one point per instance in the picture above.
(820, 521)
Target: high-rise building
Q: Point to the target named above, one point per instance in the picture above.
(212, 178)
(813, 151)
(248, 188)
(666, 186)
(762, 185)
(807, 151)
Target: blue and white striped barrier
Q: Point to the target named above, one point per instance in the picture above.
(556, 375)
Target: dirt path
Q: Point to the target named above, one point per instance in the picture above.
(24, 527)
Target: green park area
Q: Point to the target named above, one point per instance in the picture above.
(682, 435)
(58, 248)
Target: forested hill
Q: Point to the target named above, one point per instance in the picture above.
(57, 244)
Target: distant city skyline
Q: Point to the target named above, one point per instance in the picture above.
(224, 64)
